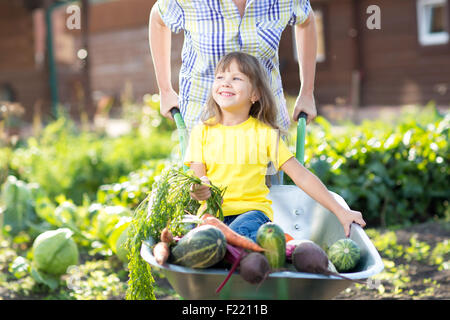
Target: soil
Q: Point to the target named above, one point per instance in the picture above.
(437, 286)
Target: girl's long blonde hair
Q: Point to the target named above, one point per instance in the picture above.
(265, 109)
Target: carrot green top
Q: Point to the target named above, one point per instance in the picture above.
(237, 157)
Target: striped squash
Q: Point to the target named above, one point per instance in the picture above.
(202, 247)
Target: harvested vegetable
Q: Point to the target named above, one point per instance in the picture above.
(214, 202)
(202, 247)
(271, 237)
(254, 268)
(166, 236)
(161, 252)
(231, 236)
(309, 257)
(344, 254)
(288, 237)
(290, 247)
(169, 200)
(233, 255)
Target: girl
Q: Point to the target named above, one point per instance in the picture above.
(237, 140)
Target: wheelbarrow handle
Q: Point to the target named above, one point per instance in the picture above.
(303, 115)
(301, 134)
(176, 114)
(182, 132)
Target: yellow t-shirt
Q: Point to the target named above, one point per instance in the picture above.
(237, 157)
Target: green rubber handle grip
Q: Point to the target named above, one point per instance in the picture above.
(182, 132)
(301, 134)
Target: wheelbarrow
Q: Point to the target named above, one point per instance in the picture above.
(301, 217)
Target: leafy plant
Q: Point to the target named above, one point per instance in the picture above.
(440, 255)
(18, 201)
(53, 252)
(393, 172)
(132, 189)
(65, 160)
(167, 203)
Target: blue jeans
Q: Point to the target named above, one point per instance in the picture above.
(277, 179)
(247, 224)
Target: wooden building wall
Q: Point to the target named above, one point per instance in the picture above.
(18, 68)
(395, 68)
(120, 52)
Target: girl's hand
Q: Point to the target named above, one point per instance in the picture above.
(348, 217)
(201, 192)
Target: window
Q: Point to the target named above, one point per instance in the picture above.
(432, 22)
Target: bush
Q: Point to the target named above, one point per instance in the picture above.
(394, 173)
(65, 160)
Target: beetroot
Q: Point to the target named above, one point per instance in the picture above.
(291, 245)
(233, 255)
(309, 257)
(254, 267)
(289, 251)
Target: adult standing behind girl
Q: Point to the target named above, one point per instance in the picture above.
(237, 139)
(213, 28)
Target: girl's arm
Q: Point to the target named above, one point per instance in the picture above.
(312, 185)
(160, 40)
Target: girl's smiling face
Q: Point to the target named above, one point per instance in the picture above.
(232, 89)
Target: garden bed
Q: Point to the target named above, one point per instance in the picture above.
(416, 279)
(394, 172)
(410, 272)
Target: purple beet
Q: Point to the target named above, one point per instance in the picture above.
(291, 245)
(309, 257)
(254, 267)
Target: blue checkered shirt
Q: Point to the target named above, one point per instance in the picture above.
(213, 28)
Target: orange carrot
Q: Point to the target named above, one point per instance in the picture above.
(166, 236)
(288, 237)
(231, 236)
(161, 252)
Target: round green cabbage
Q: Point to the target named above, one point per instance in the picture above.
(54, 251)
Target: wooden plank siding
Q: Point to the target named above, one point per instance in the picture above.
(18, 68)
(16, 45)
(395, 68)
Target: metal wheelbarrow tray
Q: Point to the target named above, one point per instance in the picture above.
(301, 217)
